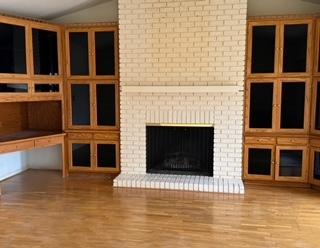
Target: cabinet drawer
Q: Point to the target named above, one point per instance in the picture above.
(48, 142)
(107, 136)
(80, 135)
(19, 146)
(260, 140)
(292, 141)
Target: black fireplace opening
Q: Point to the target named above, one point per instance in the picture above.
(180, 150)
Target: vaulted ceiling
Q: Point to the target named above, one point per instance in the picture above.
(51, 9)
(46, 9)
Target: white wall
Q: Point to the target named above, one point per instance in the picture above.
(106, 12)
(12, 164)
(282, 7)
(49, 158)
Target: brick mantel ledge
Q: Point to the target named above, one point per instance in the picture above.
(181, 89)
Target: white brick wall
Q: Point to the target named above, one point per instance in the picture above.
(185, 43)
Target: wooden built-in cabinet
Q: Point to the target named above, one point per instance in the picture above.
(278, 48)
(281, 100)
(92, 98)
(94, 152)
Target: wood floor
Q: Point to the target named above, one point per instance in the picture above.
(40, 209)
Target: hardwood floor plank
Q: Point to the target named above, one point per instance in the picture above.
(41, 209)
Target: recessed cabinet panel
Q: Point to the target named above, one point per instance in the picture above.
(295, 48)
(292, 105)
(79, 53)
(12, 49)
(290, 164)
(261, 105)
(13, 88)
(316, 166)
(317, 114)
(45, 52)
(45, 88)
(259, 161)
(263, 49)
(106, 100)
(105, 53)
(106, 155)
(80, 94)
(81, 155)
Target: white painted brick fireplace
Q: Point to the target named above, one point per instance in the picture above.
(182, 62)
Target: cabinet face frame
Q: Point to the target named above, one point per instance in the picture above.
(116, 50)
(79, 168)
(312, 180)
(26, 25)
(251, 25)
(246, 161)
(53, 28)
(106, 169)
(304, 168)
(247, 105)
(69, 104)
(309, 62)
(67, 54)
(94, 109)
(306, 105)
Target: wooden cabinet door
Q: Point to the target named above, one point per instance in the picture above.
(80, 155)
(314, 175)
(291, 163)
(259, 162)
(293, 105)
(78, 53)
(46, 55)
(260, 105)
(80, 103)
(106, 105)
(106, 156)
(296, 47)
(263, 43)
(105, 52)
(315, 107)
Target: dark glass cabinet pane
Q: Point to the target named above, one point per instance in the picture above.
(79, 53)
(259, 161)
(13, 88)
(81, 154)
(291, 163)
(316, 170)
(295, 48)
(12, 49)
(80, 94)
(292, 105)
(106, 155)
(45, 52)
(261, 101)
(46, 88)
(105, 53)
(263, 49)
(106, 108)
(317, 114)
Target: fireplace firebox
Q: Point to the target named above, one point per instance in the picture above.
(183, 150)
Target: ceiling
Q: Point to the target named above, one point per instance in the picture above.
(45, 9)
(51, 9)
